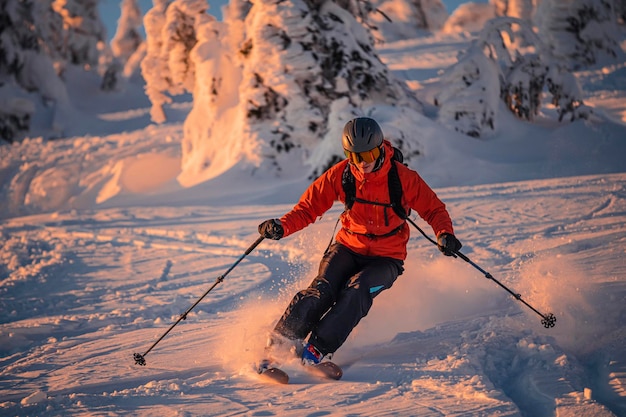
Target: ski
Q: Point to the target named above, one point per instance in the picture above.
(275, 375)
(327, 369)
(271, 372)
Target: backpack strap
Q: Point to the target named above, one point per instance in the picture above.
(349, 186)
(395, 190)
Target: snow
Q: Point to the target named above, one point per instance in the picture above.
(103, 249)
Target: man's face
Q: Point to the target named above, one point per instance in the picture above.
(365, 167)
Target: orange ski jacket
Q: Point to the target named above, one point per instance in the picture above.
(365, 228)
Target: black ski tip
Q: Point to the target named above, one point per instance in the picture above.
(139, 359)
(548, 321)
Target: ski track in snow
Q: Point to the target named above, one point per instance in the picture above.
(81, 292)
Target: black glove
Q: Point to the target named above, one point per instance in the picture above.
(448, 244)
(271, 229)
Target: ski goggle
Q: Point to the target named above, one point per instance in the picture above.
(368, 156)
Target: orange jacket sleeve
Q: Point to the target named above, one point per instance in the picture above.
(315, 201)
(421, 198)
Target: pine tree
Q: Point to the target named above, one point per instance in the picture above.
(126, 46)
(296, 65)
(469, 17)
(488, 67)
(394, 19)
(520, 9)
(335, 70)
(581, 33)
(37, 41)
(18, 42)
(51, 33)
(84, 32)
(16, 35)
(524, 86)
(171, 34)
(469, 101)
(127, 37)
(566, 94)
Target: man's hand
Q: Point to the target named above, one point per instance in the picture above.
(448, 244)
(271, 229)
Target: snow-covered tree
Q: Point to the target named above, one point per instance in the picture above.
(469, 101)
(171, 34)
(489, 71)
(15, 37)
(38, 39)
(297, 68)
(399, 19)
(50, 30)
(127, 37)
(566, 94)
(153, 67)
(469, 17)
(527, 76)
(581, 33)
(84, 32)
(127, 46)
(24, 68)
(524, 86)
(521, 9)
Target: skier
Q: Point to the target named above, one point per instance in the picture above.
(369, 250)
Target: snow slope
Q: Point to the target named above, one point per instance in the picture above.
(102, 250)
(90, 288)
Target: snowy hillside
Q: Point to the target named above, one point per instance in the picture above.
(102, 249)
(88, 289)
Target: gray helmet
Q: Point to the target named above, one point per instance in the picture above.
(361, 134)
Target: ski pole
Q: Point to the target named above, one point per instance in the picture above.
(140, 359)
(547, 320)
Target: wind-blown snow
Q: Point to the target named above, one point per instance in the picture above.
(102, 250)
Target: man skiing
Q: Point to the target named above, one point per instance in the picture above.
(369, 250)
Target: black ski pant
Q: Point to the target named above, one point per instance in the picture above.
(338, 298)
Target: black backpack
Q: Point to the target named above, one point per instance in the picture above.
(395, 187)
